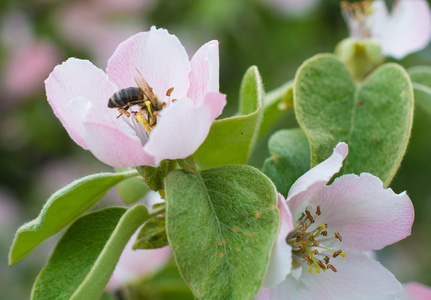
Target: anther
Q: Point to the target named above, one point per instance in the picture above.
(298, 238)
(311, 237)
(331, 267)
(169, 91)
(326, 259)
(336, 253)
(311, 219)
(338, 236)
(324, 233)
(318, 210)
(302, 248)
(307, 212)
(321, 264)
(308, 259)
(304, 226)
(315, 252)
(316, 244)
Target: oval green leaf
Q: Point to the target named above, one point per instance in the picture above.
(290, 158)
(221, 225)
(86, 256)
(232, 140)
(374, 118)
(62, 208)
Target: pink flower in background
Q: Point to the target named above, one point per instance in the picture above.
(415, 291)
(29, 60)
(326, 232)
(99, 26)
(135, 264)
(78, 92)
(406, 29)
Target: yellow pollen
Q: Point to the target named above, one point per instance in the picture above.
(144, 123)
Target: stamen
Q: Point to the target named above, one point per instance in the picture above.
(302, 247)
(326, 259)
(318, 210)
(308, 259)
(331, 267)
(321, 264)
(338, 236)
(304, 226)
(336, 253)
(324, 233)
(315, 252)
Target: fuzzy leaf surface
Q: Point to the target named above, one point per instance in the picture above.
(373, 117)
(153, 234)
(62, 208)
(85, 257)
(290, 158)
(232, 140)
(221, 225)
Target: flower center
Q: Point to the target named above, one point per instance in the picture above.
(356, 15)
(142, 122)
(307, 241)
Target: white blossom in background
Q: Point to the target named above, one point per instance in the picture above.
(403, 30)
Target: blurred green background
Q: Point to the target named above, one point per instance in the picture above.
(37, 157)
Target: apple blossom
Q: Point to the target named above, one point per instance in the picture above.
(326, 232)
(78, 92)
(406, 29)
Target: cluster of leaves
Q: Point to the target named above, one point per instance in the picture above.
(220, 217)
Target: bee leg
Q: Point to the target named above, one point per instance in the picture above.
(123, 111)
(141, 112)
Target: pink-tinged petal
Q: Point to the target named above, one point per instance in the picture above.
(73, 79)
(366, 215)
(115, 147)
(183, 127)
(289, 289)
(135, 264)
(159, 57)
(204, 76)
(317, 177)
(417, 291)
(357, 278)
(281, 255)
(407, 29)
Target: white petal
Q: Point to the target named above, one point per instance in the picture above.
(314, 179)
(281, 256)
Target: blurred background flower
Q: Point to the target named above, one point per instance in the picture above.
(37, 156)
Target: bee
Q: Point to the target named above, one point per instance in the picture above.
(142, 96)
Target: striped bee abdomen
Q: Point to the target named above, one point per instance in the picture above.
(127, 96)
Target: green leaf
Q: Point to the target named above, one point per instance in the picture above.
(152, 234)
(421, 78)
(62, 208)
(232, 140)
(187, 164)
(86, 256)
(374, 118)
(154, 176)
(421, 75)
(276, 103)
(290, 158)
(221, 225)
(132, 189)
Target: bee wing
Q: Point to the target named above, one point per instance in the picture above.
(144, 86)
